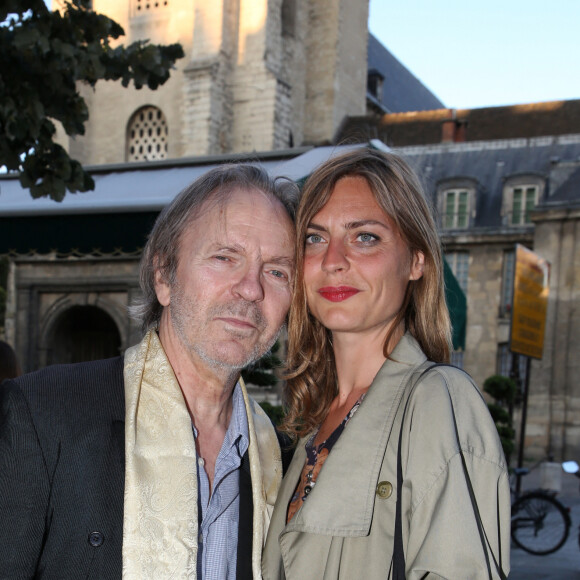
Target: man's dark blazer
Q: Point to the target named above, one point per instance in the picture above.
(62, 475)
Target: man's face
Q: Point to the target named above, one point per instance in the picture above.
(232, 287)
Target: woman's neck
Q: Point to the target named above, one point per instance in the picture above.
(359, 358)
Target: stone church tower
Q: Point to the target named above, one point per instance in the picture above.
(258, 75)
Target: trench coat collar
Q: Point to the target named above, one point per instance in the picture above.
(342, 502)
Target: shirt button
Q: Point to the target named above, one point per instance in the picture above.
(200, 461)
(96, 539)
(384, 489)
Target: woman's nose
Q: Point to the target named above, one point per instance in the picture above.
(335, 258)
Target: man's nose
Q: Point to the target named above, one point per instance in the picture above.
(249, 285)
(335, 258)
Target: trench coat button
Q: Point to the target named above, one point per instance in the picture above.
(96, 539)
(384, 489)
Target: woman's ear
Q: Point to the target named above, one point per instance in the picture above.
(417, 265)
(162, 288)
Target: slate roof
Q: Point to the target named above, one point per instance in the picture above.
(569, 192)
(118, 215)
(402, 91)
(489, 163)
(507, 122)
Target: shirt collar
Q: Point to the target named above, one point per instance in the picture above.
(238, 433)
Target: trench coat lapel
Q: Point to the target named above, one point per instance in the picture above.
(341, 503)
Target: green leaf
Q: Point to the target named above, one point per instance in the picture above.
(43, 55)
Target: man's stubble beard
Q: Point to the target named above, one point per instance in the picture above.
(186, 314)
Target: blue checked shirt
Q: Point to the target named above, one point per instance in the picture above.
(218, 514)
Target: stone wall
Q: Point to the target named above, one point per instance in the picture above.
(258, 75)
(486, 328)
(45, 287)
(553, 425)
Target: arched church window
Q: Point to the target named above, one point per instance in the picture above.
(288, 17)
(144, 6)
(147, 135)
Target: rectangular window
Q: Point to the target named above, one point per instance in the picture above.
(507, 283)
(459, 264)
(456, 209)
(457, 358)
(524, 201)
(504, 362)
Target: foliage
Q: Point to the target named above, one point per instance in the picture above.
(43, 55)
(260, 373)
(275, 412)
(503, 390)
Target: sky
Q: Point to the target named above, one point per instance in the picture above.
(482, 53)
(475, 53)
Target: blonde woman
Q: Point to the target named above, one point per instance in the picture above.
(368, 320)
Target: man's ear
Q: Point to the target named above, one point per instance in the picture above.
(162, 288)
(417, 265)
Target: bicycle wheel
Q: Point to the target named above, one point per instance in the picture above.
(540, 523)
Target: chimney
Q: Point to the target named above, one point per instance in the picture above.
(453, 130)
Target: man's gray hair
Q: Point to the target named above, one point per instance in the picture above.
(162, 248)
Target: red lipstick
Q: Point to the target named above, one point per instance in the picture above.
(337, 293)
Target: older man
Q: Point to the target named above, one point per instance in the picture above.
(157, 464)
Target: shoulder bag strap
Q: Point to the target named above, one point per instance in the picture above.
(398, 551)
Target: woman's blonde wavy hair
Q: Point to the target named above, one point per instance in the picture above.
(311, 373)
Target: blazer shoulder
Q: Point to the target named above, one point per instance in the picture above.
(90, 385)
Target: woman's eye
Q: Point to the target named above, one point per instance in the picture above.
(313, 239)
(366, 237)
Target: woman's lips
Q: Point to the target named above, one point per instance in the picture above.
(337, 294)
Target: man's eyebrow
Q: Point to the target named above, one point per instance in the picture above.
(282, 260)
(235, 249)
(238, 249)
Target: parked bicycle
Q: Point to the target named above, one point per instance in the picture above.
(540, 523)
(572, 468)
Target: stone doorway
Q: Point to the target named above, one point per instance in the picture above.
(83, 333)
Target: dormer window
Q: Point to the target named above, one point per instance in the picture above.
(456, 203)
(523, 202)
(456, 209)
(375, 84)
(520, 197)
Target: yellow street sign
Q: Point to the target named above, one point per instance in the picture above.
(530, 303)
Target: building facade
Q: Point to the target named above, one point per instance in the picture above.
(258, 75)
(498, 177)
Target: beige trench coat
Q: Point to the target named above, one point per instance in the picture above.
(345, 529)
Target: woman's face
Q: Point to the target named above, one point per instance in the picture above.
(356, 265)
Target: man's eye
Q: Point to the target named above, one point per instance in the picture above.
(313, 239)
(278, 274)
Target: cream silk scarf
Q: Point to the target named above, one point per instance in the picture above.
(160, 513)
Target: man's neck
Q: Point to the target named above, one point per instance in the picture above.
(208, 395)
